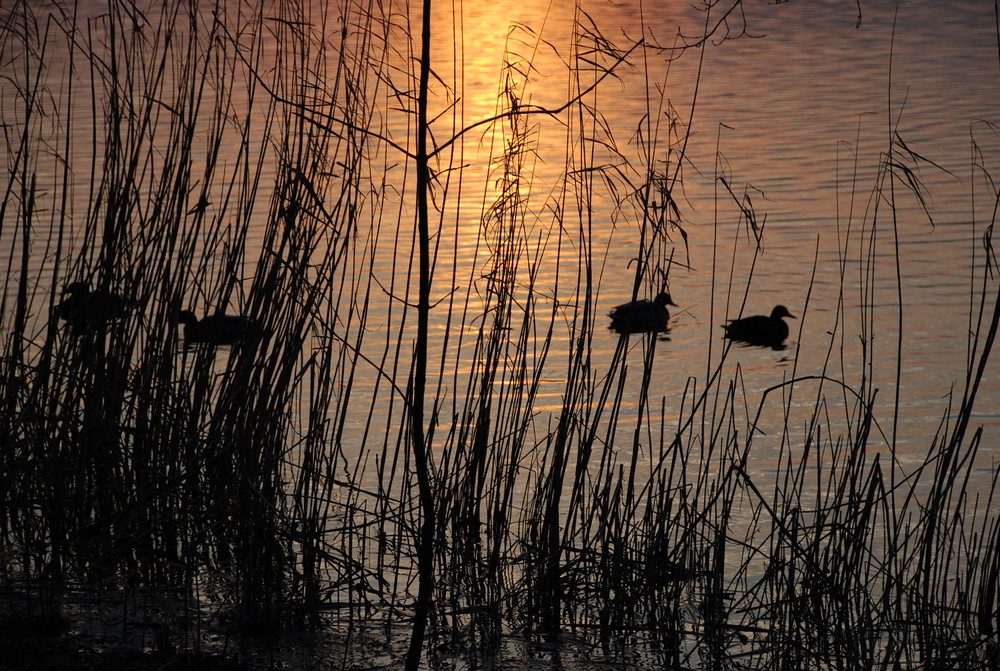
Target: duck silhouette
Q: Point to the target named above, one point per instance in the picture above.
(642, 316)
(84, 308)
(218, 329)
(760, 330)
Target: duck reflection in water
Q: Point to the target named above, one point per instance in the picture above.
(642, 316)
(760, 330)
(83, 308)
(218, 329)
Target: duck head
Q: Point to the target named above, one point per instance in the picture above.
(663, 300)
(780, 311)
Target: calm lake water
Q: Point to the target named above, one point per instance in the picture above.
(859, 143)
(797, 115)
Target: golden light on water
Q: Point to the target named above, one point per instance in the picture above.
(797, 186)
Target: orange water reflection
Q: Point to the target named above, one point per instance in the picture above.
(799, 127)
(797, 122)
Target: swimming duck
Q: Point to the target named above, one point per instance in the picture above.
(643, 316)
(760, 330)
(219, 329)
(82, 307)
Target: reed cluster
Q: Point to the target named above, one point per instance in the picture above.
(416, 431)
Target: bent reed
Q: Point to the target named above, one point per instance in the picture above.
(263, 164)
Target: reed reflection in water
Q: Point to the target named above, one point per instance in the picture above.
(724, 502)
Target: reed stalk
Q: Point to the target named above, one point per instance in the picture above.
(469, 466)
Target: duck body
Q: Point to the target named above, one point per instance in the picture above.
(642, 316)
(82, 307)
(218, 329)
(760, 330)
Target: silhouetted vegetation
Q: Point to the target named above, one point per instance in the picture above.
(377, 439)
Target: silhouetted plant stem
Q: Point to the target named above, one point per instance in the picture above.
(341, 472)
(418, 387)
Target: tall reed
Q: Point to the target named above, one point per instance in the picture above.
(421, 430)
